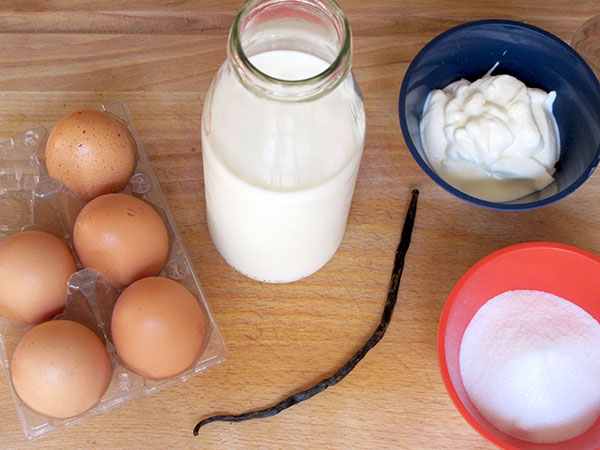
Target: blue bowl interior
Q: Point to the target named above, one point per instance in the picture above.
(535, 57)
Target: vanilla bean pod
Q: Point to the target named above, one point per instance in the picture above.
(360, 354)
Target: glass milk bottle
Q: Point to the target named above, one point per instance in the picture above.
(283, 131)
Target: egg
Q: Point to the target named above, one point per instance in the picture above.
(158, 328)
(35, 268)
(60, 369)
(122, 237)
(91, 152)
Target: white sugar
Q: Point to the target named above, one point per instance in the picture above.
(530, 363)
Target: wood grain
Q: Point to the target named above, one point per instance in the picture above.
(158, 58)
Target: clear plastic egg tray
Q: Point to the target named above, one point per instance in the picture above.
(31, 200)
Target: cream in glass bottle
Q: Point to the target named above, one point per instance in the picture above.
(283, 131)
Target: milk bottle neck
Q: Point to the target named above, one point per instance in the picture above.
(315, 27)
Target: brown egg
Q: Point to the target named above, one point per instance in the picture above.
(34, 270)
(158, 328)
(60, 369)
(92, 153)
(122, 237)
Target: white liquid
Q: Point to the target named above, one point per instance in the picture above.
(279, 177)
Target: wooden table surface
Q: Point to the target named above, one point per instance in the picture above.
(158, 58)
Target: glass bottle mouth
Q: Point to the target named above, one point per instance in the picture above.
(317, 27)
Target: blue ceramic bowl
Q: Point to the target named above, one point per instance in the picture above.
(537, 58)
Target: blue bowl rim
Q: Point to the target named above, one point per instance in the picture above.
(451, 189)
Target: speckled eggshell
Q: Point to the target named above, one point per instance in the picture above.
(91, 152)
(122, 237)
(35, 268)
(158, 328)
(60, 369)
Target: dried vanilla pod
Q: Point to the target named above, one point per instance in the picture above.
(359, 355)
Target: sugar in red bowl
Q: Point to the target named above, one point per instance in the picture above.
(562, 270)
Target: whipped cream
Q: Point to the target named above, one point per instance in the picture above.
(494, 139)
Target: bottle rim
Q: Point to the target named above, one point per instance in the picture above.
(291, 90)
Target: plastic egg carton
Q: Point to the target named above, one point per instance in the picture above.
(30, 199)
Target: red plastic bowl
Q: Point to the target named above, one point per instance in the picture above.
(563, 270)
